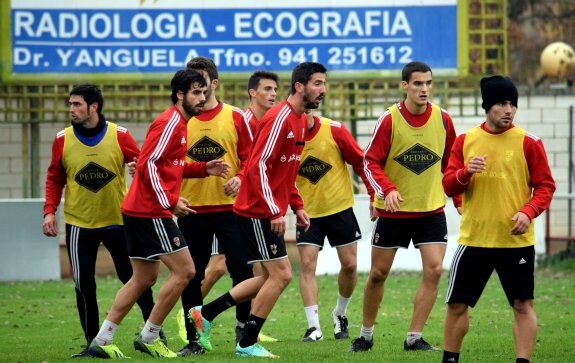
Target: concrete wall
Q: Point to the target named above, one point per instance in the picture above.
(25, 253)
(28, 255)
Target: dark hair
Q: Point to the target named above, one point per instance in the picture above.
(90, 93)
(303, 72)
(257, 76)
(204, 64)
(183, 81)
(413, 67)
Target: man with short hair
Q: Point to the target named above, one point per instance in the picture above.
(325, 185)
(220, 131)
(503, 173)
(148, 210)
(88, 158)
(404, 162)
(262, 202)
(262, 90)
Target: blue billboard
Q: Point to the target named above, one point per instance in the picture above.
(161, 36)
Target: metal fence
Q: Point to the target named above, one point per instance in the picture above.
(347, 100)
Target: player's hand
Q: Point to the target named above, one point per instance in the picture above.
(218, 168)
(278, 226)
(477, 164)
(459, 210)
(522, 222)
(181, 209)
(49, 227)
(132, 167)
(232, 186)
(372, 212)
(392, 200)
(302, 219)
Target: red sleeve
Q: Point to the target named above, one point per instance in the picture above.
(351, 153)
(541, 179)
(455, 177)
(376, 155)
(128, 145)
(296, 201)
(56, 176)
(449, 140)
(251, 120)
(195, 169)
(245, 139)
(266, 149)
(263, 159)
(150, 161)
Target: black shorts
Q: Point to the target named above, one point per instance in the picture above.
(472, 267)
(149, 238)
(398, 232)
(341, 229)
(260, 242)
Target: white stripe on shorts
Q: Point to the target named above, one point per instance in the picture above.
(452, 270)
(162, 234)
(260, 239)
(215, 246)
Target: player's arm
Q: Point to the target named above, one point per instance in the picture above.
(351, 153)
(456, 176)
(200, 169)
(541, 179)
(375, 156)
(149, 162)
(195, 169)
(450, 137)
(55, 182)
(128, 145)
(297, 205)
(266, 149)
(245, 140)
(296, 201)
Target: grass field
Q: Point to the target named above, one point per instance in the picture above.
(40, 323)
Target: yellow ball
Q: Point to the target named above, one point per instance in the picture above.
(557, 59)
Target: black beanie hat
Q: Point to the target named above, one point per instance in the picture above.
(496, 89)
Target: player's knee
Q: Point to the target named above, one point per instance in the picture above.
(308, 269)
(189, 273)
(349, 267)
(434, 271)
(144, 281)
(307, 261)
(218, 271)
(522, 307)
(185, 274)
(284, 278)
(220, 265)
(378, 275)
(456, 309)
